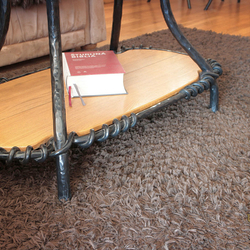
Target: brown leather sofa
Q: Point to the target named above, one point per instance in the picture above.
(82, 23)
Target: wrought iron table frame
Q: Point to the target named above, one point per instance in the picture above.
(59, 146)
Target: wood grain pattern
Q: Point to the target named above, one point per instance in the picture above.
(151, 76)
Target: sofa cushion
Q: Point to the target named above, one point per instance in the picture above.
(31, 24)
(82, 22)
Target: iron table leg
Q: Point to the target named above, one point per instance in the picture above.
(59, 114)
(197, 58)
(4, 20)
(173, 27)
(208, 4)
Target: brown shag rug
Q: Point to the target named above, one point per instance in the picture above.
(179, 179)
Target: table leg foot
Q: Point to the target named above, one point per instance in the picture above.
(63, 183)
(214, 97)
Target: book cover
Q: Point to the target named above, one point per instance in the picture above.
(94, 72)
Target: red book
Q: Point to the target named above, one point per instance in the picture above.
(94, 72)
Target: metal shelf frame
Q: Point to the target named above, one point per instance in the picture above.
(59, 146)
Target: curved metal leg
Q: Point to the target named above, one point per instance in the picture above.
(198, 59)
(4, 20)
(208, 4)
(189, 4)
(59, 114)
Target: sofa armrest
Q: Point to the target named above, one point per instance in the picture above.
(82, 22)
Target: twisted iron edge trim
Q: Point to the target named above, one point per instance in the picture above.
(118, 126)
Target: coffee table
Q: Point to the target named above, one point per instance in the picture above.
(37, 122)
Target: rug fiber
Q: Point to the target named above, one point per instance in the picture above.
(179, 179)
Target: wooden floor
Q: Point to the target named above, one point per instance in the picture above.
(140, 17)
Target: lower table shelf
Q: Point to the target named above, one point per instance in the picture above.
(151, 76)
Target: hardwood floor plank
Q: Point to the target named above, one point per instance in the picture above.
(140, 17)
